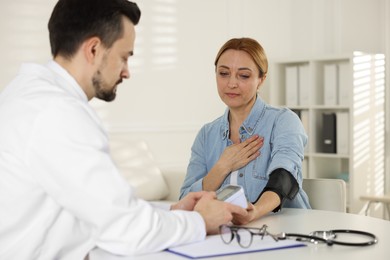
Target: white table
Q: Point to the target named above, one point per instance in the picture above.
(302, 221)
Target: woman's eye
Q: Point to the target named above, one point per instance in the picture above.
(223, 73)
(244, 76)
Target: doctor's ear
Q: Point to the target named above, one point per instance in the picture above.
(92, 48)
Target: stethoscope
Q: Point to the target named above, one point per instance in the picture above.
(330, 237)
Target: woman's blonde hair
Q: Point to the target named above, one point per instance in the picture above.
(250, 46)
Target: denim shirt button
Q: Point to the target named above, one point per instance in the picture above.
(241, 174)
(224, 135)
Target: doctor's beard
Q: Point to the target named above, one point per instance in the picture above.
(101, 90)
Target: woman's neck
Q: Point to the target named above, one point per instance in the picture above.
(237, 117)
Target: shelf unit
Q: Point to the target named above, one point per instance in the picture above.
(352, 85)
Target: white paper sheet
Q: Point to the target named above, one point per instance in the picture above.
(214, 246)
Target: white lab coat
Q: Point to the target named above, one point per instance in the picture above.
(60, 193)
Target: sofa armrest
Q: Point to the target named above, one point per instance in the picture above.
(174, 180)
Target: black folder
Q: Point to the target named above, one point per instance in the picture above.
(328, 140)
(297, 111)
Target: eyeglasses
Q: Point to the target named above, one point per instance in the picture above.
(244, 235)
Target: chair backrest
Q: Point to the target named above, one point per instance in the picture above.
(326, 194)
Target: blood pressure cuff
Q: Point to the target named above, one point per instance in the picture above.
(284, 184)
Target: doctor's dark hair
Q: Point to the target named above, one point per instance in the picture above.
(250, 46)
(74, 21)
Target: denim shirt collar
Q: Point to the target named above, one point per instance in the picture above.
(249, 125)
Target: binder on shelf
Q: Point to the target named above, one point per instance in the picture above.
(297, 111)
(328, 141)
(292, 86)
(342, 131)
(304, 85)
(330, 84)
(344, 84)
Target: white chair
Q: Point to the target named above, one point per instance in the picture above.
(326, 194)
(384, 199)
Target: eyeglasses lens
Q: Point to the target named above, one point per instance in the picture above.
(244, 237)
(226, 234)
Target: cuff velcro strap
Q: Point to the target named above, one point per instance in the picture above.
(282, 183)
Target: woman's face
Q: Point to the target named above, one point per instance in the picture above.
(237, 79)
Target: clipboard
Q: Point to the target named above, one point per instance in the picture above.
(213, 246)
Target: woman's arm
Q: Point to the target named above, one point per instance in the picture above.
(284, 171)
(281, 185)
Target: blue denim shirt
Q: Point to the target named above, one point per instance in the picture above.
(284, 142)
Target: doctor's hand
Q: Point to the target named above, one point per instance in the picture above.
(189, 201)
(216, 213)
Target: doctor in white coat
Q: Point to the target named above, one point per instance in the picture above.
(61, 195)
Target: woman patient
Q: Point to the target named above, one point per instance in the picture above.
(253, 144)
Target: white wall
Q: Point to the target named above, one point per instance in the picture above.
(172, 90)
(387, 97)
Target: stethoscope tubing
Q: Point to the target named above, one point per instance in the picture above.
(373, 239)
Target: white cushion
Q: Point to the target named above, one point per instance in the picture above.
(136, 163)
